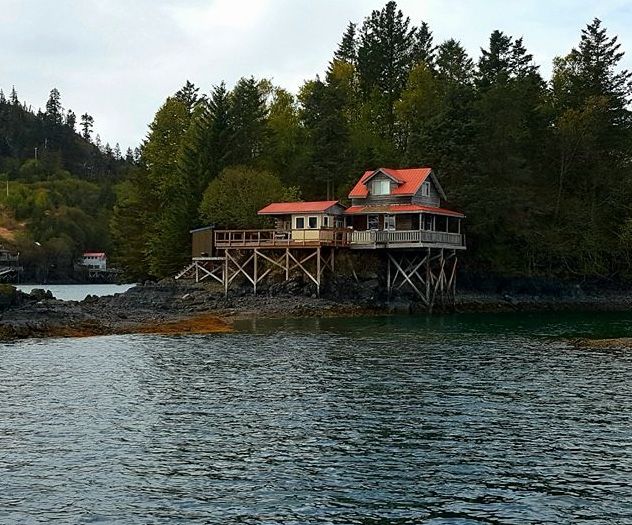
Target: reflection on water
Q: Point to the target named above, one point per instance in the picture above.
(465, 419)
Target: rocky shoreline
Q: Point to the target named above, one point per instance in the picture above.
(183, 307)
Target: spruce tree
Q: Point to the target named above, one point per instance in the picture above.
(247, 118)
(87, 123)
(423, 48)
(71, 119)
(592, 133)
(385, 56)
(54, 111)
(453, 63)
(348, 48)
(188, 95)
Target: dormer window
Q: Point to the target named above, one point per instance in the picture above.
(425, 189)
(381, 187)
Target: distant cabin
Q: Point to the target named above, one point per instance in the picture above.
(94, 261)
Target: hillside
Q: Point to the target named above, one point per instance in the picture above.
(56, 186)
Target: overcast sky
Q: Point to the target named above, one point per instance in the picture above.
(119, 59)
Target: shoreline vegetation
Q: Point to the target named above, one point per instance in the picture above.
(170, 307)
(539, 164)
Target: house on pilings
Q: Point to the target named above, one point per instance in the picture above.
(396, 213)
(402, 209)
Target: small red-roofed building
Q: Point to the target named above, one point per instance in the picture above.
(95, 261)
(306, 221)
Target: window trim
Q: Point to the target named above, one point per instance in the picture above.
(384, 184)
(309, 226)
(296, 219)
(425, 189)
(368, 221)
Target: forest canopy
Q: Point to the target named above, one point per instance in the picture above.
(541, 167)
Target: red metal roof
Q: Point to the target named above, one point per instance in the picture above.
(410, 181)
(284, 208)
(94, 254)
(401, 208)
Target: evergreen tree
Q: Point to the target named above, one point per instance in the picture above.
(592, 134)
(167, 234)
(247, 119)
(348, 48)
(505, 59)
(3, 99)
(188, 95)
(286, 151)
(206, 147)
(325, 117)
(453, 64)
(71, 119)
(385, 56)
(423, 48)
(54, 111)
(14, 97)
(87, 123)
(511, 135)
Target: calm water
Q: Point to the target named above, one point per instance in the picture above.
(454, 420)
(77, 292)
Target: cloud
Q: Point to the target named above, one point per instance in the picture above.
(119, 60)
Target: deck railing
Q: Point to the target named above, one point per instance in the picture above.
(336, 237)
(387, 238)
(282, 238)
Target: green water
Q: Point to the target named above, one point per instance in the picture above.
(464, 419)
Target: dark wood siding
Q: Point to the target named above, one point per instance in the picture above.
(202, 243)
(434, 199)
(404, 222)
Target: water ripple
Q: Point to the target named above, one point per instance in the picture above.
(366, 422)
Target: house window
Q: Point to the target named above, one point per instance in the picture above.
(326, 220)
(425, 189)
(312, 222)
(389, 222)
(373, 222)
(300, 223)
(381, 187)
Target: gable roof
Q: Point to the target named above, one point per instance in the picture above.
(409, 180)
(285, 208)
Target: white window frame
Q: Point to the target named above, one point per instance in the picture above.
(381, 187)
(309, 218)
(326, 221)
(390, 223)
(425, 189)
(297, 227)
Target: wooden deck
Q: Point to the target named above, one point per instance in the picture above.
(337, 238)
(251, 239)
(375, 239)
